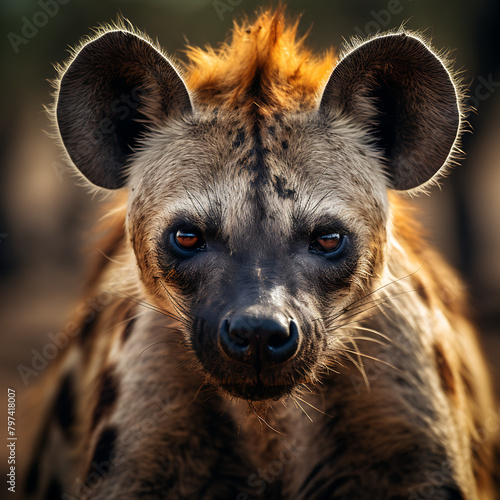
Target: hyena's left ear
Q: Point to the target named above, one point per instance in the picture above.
(399, 88)
(117, 85)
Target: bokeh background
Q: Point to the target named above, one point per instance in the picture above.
(46, 217)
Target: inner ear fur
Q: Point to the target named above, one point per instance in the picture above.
(398, 87)
(117, 85)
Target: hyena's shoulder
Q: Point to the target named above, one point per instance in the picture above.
(446, 336)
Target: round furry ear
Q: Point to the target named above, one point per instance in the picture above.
(116, 86)
(398, 87)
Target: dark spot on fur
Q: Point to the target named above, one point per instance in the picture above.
(467, 379)
(240, 138)
(33, 475)
(284, 145)
(87, 329)
(271, 130)
(128, 329)
(421, 290)
(444, 370)
(257, 164)
(103, 453)
(65, 406)
(451, 493)
(242, 161)
(395, 477)
(402, 382)
(282, 190)
(422, 293)
(108, 392)
(54, 490)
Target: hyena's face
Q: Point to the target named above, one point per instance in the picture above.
(258, 229)
(261, 239)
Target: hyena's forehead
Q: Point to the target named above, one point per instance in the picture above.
(238, 173)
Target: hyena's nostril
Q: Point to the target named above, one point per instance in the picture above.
(234, 339)
(279, 344)
(258, 340)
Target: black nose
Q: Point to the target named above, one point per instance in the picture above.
(258, 340)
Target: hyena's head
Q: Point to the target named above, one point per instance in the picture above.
(258, 203)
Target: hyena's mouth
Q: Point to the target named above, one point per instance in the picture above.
(256, 356)
(244, 382)
(258, 391)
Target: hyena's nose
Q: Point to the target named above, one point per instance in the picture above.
(259, 340)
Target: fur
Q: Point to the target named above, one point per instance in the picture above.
(261, 148)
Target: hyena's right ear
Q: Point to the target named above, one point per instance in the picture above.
(115, 87)
(400, 89)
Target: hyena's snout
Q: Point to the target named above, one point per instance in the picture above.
(259, 338)
(255, 351)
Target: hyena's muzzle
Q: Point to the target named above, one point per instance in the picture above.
(256, 347)
(256, 341)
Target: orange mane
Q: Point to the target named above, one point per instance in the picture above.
(263, 65)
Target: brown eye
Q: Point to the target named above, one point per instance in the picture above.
(327, 243)
(189, 240)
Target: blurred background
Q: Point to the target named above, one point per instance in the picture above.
(46, 217)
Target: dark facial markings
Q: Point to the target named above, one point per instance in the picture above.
(240, 138)
(282, 189)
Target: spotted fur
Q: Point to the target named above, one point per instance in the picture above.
(260, 148)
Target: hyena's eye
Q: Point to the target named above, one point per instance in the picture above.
(189, 240)
(328, 242)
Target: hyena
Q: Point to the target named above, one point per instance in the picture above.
(266, 319)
